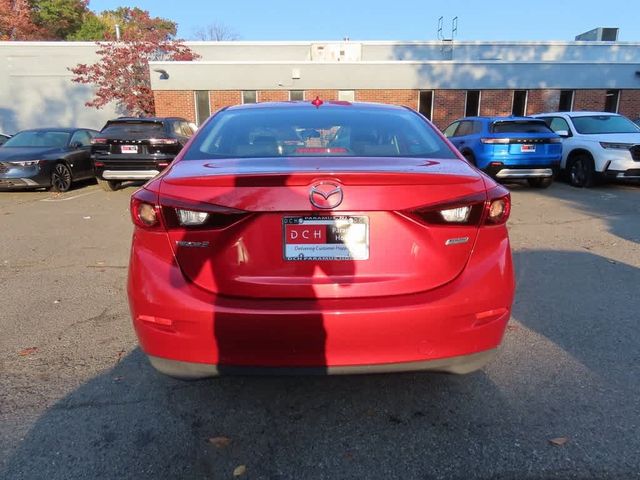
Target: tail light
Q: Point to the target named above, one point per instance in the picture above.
(464, 211)
(180, 214)
(492, 141)
(145, 212)
(479, 209)
(163, 141)
(498, 206)
(98, 141)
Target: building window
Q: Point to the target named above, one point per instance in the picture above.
(203, 106)
(519, 107)
(249, 96)
(347, 95)
(425, 103)
(472, 103)
(296, 95)
(566, 101)
(611, 101)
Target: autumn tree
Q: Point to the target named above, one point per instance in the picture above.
(121, 74)
(17, 22)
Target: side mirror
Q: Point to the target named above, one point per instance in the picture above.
(75, 145)
(563, 133)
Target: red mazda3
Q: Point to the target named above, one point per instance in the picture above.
(312, 237)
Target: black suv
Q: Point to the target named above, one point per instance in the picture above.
(130, 148)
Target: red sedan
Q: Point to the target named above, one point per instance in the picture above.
(312, 237)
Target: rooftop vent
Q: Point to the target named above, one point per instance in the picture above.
(601, 34)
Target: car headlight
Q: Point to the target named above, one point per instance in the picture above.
(616, 146)
(26, 163)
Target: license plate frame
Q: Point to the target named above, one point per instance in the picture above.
(527, 148)
(129, 149)
(325, 238)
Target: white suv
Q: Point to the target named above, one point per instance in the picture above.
(596, 144)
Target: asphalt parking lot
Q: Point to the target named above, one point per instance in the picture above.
(79, 400)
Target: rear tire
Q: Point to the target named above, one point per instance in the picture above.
(540, 182)
(581, 171)
(470, 157)
(109, 185)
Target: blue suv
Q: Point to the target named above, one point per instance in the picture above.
(509, 147)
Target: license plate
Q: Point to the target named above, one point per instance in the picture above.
(325, 238)
(129, 149)
(527, 148)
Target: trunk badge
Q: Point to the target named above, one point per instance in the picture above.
(183, 243)
(457, 241)
(326, 195)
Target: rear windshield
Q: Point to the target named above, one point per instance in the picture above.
(597, 124)
(142, 129)
(323, 131)
(39, 138)
(520, 126)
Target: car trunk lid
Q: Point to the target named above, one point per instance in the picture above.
(259, 210)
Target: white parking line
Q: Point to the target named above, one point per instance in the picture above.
(70, 198)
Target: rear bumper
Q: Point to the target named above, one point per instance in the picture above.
(123, 167)
(505, 171)
(179, 325)
(457, 365)
(128, 174)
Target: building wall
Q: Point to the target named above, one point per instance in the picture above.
(179, 103)
(589, 100)
(36, 88)
(448, 105)
(630, 103)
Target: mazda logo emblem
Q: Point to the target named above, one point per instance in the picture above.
(325, 195)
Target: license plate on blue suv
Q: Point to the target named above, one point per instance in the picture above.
(527, 148)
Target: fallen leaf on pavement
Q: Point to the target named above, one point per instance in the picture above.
(120, 353)
(558, 441)
(27, 351)
(239, 470)
(220, 442)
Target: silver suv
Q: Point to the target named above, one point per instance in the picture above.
(596, 144)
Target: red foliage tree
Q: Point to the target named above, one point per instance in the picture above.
(16, 21)
(122, 73)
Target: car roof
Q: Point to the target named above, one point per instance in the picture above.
(55, 129)
(498, 119)
(145, 119)
(577, 113)
(325, 104)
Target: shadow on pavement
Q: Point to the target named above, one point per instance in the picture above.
(131, 422)
(134, 423)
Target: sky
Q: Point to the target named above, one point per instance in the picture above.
(395, 19)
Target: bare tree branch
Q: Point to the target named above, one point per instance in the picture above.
(217, 32)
